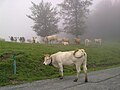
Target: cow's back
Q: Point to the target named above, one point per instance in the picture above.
(65, 58)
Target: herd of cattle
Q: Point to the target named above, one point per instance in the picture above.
(54, 39)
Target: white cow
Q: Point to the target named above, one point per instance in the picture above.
(98, 41)
(65, 43)
(51, 38)
(65, 40)
(87, 42)
(77, 58)
(13, 39)
(77, 40)
(35, 40)
(22, 39)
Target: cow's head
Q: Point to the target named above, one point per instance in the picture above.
(47, 59)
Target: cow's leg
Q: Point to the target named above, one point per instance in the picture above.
(78, 71)
(61, 71)
(85, 71)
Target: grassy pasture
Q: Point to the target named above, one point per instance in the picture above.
(30, 66)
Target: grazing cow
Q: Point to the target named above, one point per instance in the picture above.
(65, 43)
(13, 39)
(22, 39)
(87, 42)
(59, 59)
(34, 40)
(51, 38)
(65, 40)
(77, 40)
(98, 41)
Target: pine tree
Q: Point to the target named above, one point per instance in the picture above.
(45, 18)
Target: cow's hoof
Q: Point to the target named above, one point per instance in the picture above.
(86, 81)
(76, 80)
(61, 77)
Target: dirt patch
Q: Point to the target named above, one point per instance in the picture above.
(6, 56)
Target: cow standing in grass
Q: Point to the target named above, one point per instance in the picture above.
(65, 40)
(13, 39)
(98, 41)
(22, 39)
(50, 38)
(87, 42)
(65, 43)
(77, 58)
(77, 40)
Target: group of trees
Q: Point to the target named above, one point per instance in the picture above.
(72, 13)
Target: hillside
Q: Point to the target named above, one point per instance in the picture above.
(29, 58)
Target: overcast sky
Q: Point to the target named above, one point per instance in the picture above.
(13, 20)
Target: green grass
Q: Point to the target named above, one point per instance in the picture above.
(30, 66)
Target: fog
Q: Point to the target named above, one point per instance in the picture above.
(13, 19)
(103, 21)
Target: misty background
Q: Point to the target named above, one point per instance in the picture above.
(103, 20)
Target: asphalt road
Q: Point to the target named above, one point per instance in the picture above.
(108, 79)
